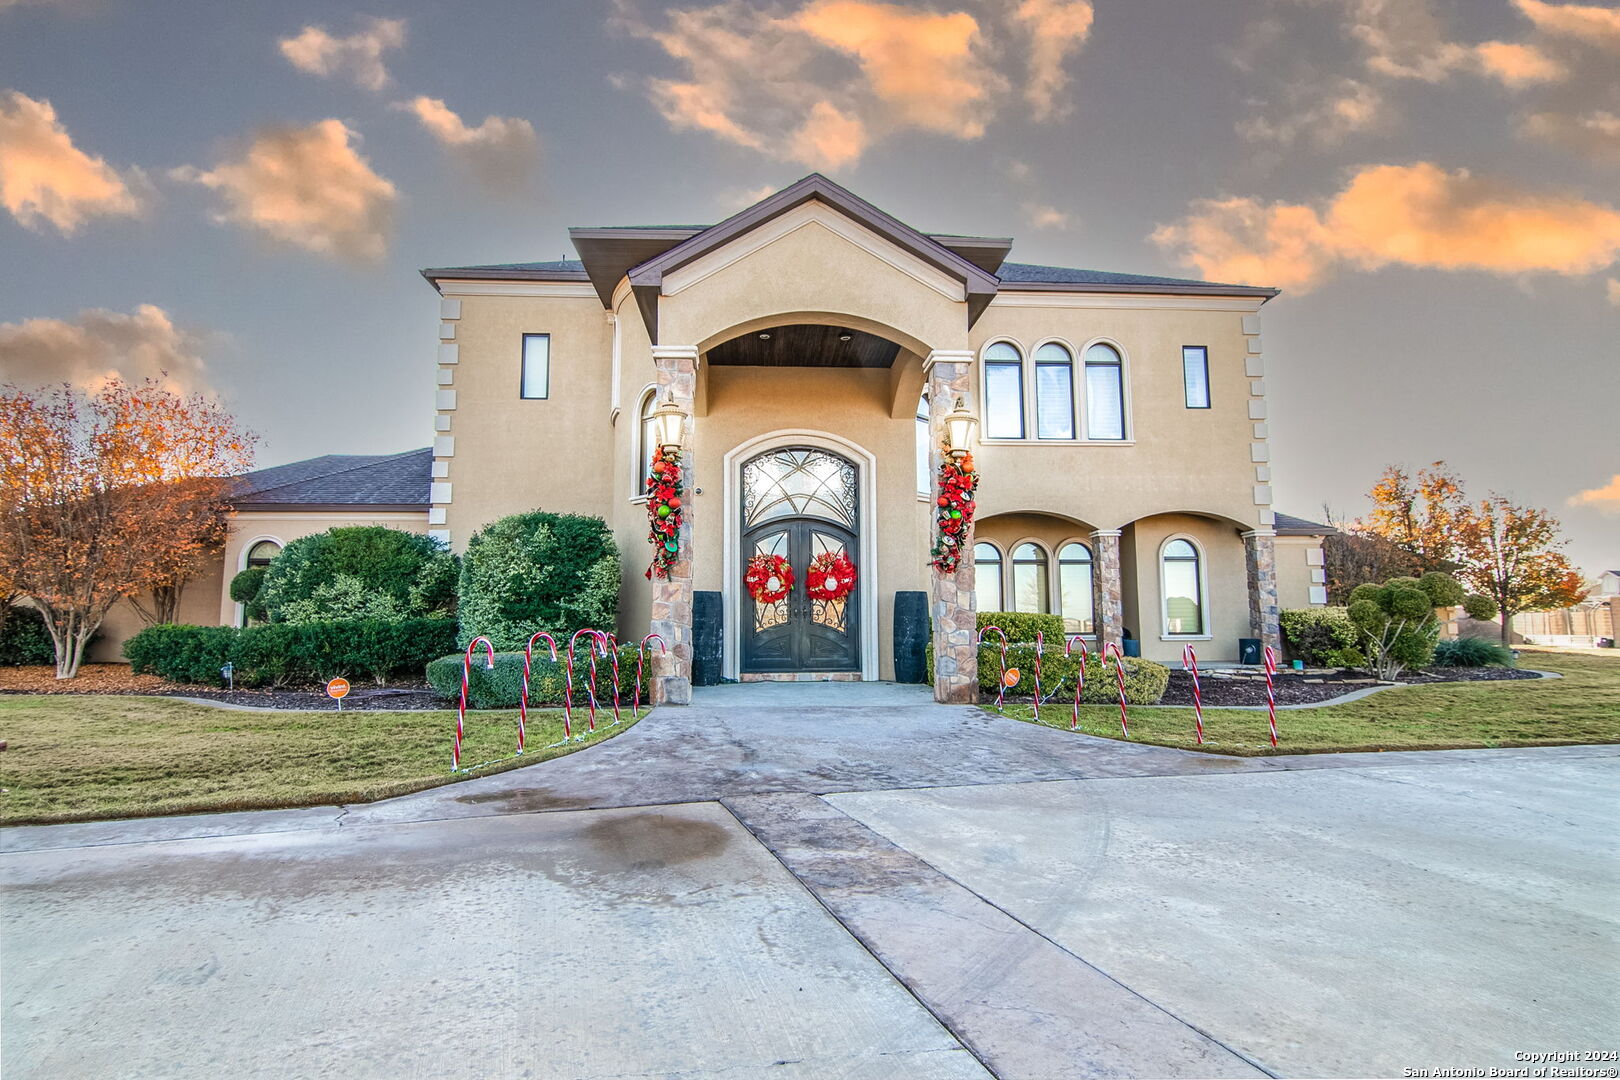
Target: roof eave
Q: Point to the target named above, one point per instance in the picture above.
(1167, 290)
(368, 508)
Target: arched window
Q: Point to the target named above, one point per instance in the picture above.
(1003, 391)
(1183, 588)
(261, 553)
(987, 576)
(1054, 392)
(1074, 588)
(925, 473)
(646, 442)
(1030, 590)
(1105, 393)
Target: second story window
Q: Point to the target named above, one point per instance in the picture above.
(646, 442)
(536, 379)
(1003, 392)
(1054, 392)
(1195, 375)
(1105, 393)
(925, 472)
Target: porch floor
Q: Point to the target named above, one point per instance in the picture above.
(818, 694)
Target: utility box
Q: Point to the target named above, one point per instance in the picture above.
(1249, 650)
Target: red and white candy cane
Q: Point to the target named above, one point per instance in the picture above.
(591, 645)
(1001, 683)
(1079, 677)
(611, 643)
(1271, 694)
(461, 712)
(1119, 676)
(1189, 660)
(523, 702)
(1040, 647)
(641, 659)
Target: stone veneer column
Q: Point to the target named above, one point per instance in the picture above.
(1109, 600)
(954, 605)
(672, 596)
(1260, 553)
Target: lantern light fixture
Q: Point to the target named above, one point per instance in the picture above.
(669, 424)
(959, 426)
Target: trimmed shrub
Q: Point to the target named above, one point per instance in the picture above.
(359, 571)
(548, 680)
(1021, 625)
(1321, 637)
(245, 589)
(1395, 622)
(1145, 681)
(24, 639)
(282, 654)
(538, 571)
(1480, 607)
(1472, 652)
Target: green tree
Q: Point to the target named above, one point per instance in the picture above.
(319, 577)
(538, 571)
(1395, 623)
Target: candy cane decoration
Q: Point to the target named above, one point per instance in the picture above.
(590, 650)
(1001, 682)
(1189, 660)
(641, 657)
(461, 713)
(1079, 677)
(523, 702)
(1040, 647)
(1119, 675)
(611, 644)
(1271, 694)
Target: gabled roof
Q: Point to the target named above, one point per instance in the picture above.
(1288, 525)
(1022, 277)
(374, 481)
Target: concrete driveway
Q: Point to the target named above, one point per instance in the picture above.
(847, 887)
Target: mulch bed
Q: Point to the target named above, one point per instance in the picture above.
(1292, 688)
(116, 679)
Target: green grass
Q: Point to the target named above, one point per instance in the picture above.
(88, 757)
(1582, 707)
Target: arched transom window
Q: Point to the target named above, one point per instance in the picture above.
(261, 553)
(797, 482)
(1183, 588)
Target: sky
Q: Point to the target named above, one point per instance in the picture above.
(239, 196)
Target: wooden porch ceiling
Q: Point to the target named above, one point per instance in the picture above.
(805, 345)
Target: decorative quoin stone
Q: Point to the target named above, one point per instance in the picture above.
(1110, 598)
(672, 595)
(1260, 553)
(954, 606)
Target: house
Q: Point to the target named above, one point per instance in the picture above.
(812, 348)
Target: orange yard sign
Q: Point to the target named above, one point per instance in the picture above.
(1010, 679)
(337, 688)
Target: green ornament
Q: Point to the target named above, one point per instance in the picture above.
(672, 545)
(955, 515)
(663, 511)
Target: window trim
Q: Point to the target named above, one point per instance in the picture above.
(1074, 389)
(1128, 434)
(984, 391)
(1002, 559)
(1209, 391)
(1057, 582)
(1046, 554)
(523, 367)
(1201, 564)
(638, 449)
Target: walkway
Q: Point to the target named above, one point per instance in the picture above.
(829, 890)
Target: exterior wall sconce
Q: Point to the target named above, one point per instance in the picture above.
(959, 427)
(669, 424)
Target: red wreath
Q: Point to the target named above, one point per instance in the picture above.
(761, 569)
(831, 577)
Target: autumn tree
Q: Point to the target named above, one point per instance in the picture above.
(108, 495)
(1417, 514)
(1511, 554)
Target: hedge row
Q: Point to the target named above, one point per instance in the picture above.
(1145, 681)
(502, 687)
(283, 654)
(24, 639)
(1021, 625)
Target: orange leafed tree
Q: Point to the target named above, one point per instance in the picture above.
(1418, 514)
(108, 496)
(1510, 553)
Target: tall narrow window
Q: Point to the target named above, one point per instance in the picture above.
(1195, 375)
(1003, 392)
(1105, 393)
(1029, 578)
(1183, 589)
(1054, 392)
(987, 576)
(925, 473)
(646, 441)
(536, 366)
(1074, 588)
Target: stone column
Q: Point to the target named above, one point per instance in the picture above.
(672, 596)
(1261, 556)
(1108, 603)
(954, 605)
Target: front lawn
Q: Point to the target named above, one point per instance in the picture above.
(80, 758)
(1582, 707)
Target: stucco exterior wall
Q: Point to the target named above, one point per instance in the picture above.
(1226, 607)
(1299, 571)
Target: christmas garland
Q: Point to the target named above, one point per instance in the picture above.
(664, 511)
(831, 576)
(957, 482)
(769, 578)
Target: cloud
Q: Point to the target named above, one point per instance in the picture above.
(307, 187)
(1613, 285)
(1517, 65)
(501, 151)
(1403, 39)
(1042, 216)
(1589, 23)
(829, 139)
(1055, 29)
(1412, 215)
(1605, 499)
(1596, 134)
(316, 51)
(45, 178)
(100, 344)
(1325, 116)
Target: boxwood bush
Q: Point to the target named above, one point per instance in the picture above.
(1021, 625)
(533, 572)
(355, 572)
(1145, 681)
(501, 688)
(24, 639)
(291, 654)
(1322, 637)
